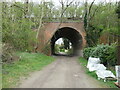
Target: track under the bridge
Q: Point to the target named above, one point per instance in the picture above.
(65, 72)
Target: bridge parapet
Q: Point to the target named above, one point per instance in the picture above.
(63, 20)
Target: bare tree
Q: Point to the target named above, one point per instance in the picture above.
(87, 13)
(40, 24)
(64, 5)
(40, 20)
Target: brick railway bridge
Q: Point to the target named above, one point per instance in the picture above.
(52, 31)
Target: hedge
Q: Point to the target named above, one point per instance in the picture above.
(106, 53)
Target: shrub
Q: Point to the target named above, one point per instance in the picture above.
(8, 55)
(87, 52)
(46, 50)
(107, 53)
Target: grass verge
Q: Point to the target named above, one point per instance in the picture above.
(29, 62)
(0, 75)
(109, 83)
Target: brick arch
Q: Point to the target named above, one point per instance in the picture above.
(49, 29)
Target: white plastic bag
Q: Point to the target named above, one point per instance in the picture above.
(92, 61)
(96, 67)
(104, 73)
(99, 67)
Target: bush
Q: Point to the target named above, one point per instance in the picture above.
(46, 50)
(87, 52)
(8, 55)
(106, 53)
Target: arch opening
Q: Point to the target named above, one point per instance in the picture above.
(72, 35)
(63, 46)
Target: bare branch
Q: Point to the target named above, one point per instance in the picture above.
(95, 11)
(61, 18)
(90, 7)
(66, 8)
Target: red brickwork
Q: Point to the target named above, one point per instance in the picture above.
(49, 29)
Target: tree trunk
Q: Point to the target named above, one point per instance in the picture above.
(40, 25)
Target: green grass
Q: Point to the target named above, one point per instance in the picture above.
(109, 83)
(0, 75)
(29, 62)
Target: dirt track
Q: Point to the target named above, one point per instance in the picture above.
(65, 72)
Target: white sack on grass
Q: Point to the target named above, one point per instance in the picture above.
(104, 73)
(92, 62)
(96, 67)
(100, 67)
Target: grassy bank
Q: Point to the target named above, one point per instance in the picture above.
(109, 83)
(0, 75)
(29, 62)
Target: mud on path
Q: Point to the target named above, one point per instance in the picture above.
(65, 72)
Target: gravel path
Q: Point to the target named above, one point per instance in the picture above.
(65, 72)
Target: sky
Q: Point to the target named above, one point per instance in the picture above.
(59, 41)
(57, 1)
